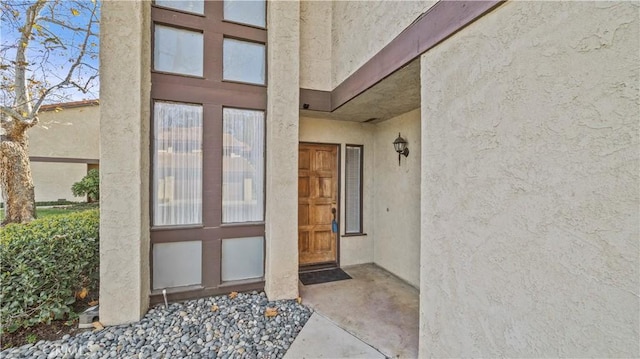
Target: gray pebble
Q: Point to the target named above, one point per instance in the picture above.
(238, 329)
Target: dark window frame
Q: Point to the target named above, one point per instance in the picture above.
(214, 94)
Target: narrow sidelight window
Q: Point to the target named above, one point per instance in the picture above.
(177, 164)
(353, 189)
(242, 166)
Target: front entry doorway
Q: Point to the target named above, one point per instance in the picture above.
(318, 205)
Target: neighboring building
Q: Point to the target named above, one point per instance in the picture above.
(228, 138)
(63, 147)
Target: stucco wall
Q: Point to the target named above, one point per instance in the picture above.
(530, 184)
(281, 217)
(353, 249)
(397, 198)
(71, 133)
(362, 28)
(53, 180)
(125, 86)
(315, 45)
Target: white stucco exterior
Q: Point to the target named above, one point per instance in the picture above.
(516, 211)
(397, 198)
(124, 168)
(72, 132)
(359, 29)
(337, 37)
(53, 180)
(530, 184)
(60, 146)
(353, 249)
(315, 45)
(281, 219)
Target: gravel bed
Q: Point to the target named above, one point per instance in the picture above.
(215, 327)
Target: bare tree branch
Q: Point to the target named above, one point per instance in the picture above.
(67, 26)
(77, 62)
(42, 35)
(84, 88)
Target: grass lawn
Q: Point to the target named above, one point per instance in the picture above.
(58, 210)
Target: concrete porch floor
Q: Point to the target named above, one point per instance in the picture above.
(375, 306)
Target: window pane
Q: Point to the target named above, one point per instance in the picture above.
(242, 258)
(195, 6)
(246, 12)
(177, 264)
(242, 166)
(353, 169)
(177, 164)
(243, 61)
(179, 51)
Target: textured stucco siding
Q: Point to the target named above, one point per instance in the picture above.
(70, 132)
(315, 45)
(397, 198)
(530, 184)
(359, 29)
(281, 218)
(124, 160)
(53, 180)
(353, 249)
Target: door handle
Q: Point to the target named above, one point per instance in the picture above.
(334, 223)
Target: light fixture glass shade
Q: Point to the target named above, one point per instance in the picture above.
(399, 144)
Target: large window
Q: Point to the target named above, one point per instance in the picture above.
(177, 164)
(242, 166)
(353, 190)
(209, 95)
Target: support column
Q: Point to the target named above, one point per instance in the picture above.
(281, 267)
(124, 160)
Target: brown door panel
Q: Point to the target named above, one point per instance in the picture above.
(317, 197)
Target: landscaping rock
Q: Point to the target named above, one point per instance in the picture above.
(238, 328)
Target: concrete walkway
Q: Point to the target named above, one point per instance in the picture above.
(373, 315)
(321, 338)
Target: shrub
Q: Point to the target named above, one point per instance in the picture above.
(44, 263)
(49, 203)
(88, 186)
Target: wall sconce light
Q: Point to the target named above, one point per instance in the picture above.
(400, 144)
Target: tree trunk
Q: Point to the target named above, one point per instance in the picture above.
(16, 181)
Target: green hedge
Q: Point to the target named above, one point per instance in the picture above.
(49, 203)
(44, 263)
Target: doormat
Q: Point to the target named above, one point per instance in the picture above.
(323, 276)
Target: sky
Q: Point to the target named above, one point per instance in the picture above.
(48, 61)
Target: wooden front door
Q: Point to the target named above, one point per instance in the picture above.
(317, 203)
